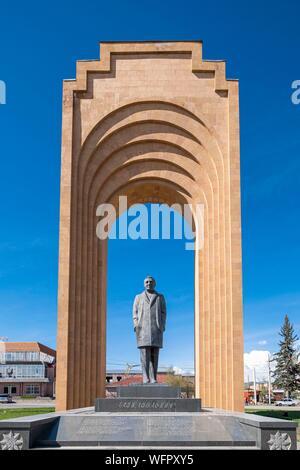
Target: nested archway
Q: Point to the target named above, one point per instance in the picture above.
(154, 149)
(158, 243)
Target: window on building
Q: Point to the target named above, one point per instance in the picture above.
(22, 371)
(21, 356)
(10, 389)
(32, 389)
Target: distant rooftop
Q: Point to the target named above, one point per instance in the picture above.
(27, 347)
(139, 372)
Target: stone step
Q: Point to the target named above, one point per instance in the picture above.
(148, 448)
(147, 429)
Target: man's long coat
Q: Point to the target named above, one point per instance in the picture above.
(149, 319)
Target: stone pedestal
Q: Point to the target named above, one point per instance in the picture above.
(148, 398)
(205, 429)
(148, 416)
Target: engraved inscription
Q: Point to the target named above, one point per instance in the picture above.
(169, 427)
(103, 427)
(147, 404)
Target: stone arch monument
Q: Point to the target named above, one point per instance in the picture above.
(154, 122)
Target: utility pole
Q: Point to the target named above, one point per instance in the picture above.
(254, 385)
(269, 377)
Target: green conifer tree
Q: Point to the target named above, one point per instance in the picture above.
(287, 371)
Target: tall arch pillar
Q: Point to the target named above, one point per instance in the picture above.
(154, 122)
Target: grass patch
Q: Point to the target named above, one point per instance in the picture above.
(28, 397)
(19, 412)
(292, 415)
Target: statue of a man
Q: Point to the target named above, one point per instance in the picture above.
(149, 320)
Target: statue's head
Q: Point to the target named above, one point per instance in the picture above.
(149, 283)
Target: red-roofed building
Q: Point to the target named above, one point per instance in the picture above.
(27, 368)
(115, 379)
(129, 379)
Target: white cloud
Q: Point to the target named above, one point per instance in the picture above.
(259, 361)
(179, 371)
(262, 342)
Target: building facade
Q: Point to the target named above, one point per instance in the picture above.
(27, 369)
(116, 379)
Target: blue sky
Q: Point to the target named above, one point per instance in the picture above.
(39, 45)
